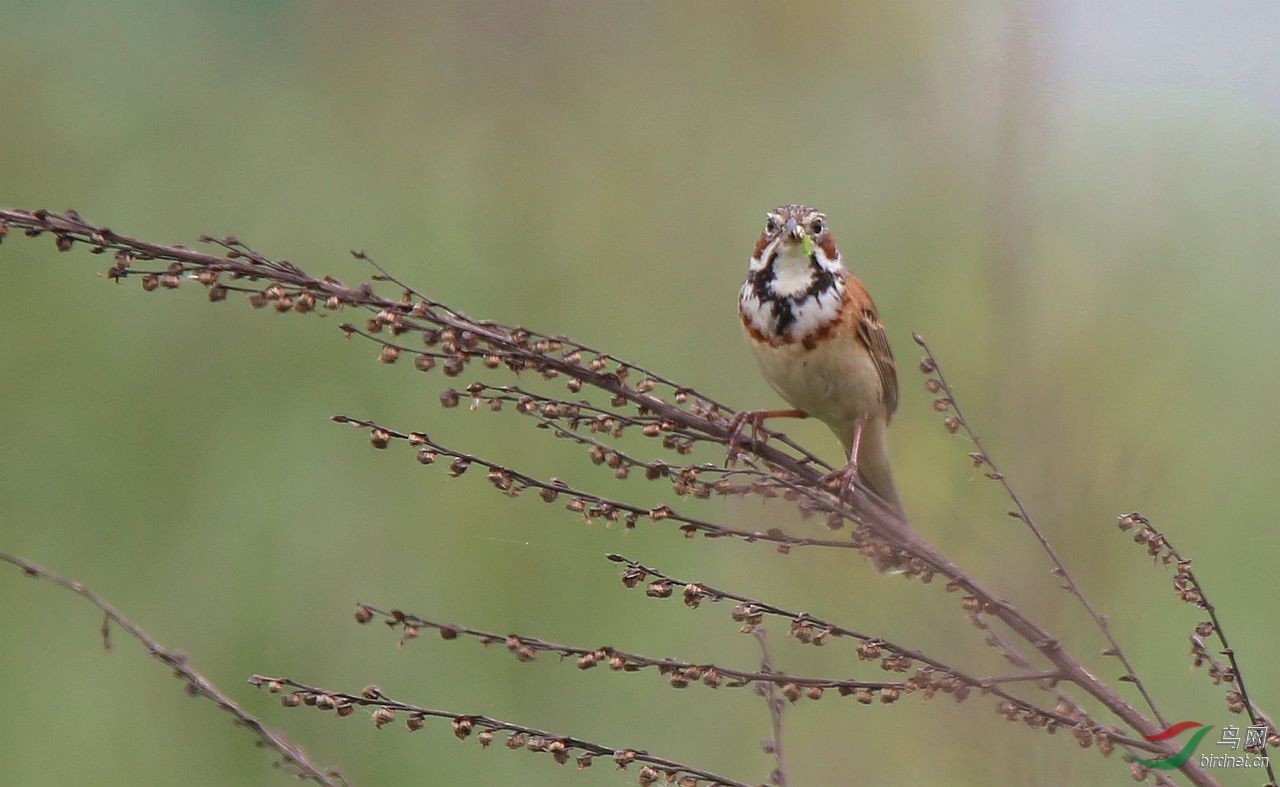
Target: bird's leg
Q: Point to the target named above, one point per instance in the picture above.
(756, 419)
(846, 476)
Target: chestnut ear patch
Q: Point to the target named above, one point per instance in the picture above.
(828, 244)
(760, 244)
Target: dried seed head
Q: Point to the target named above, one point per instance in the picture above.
(1235, 702)
(624, 757)
(791, 691)
(363, 613)
(536, 743)
(659, 589)
(462, 727)
(383, 716)
(559, 751)
(870, 650)
(426, 456)
(415, 722)
(379, 438)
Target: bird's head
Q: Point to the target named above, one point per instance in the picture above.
(796, 234)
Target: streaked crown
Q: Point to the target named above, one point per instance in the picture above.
(808, 219)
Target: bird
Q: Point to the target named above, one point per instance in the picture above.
(818, 340)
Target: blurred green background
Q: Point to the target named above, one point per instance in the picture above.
(1076, 202)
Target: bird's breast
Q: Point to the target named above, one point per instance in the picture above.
(833, 380)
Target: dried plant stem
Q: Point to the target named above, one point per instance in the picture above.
(982, 457)
(561, 747)
(1191, 591)
(686, 418)
(779, 775)
(681, 673)
(506, 479)
(197, 685)
(808, 628)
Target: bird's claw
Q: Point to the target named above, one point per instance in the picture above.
(845, 479)
(736, 424)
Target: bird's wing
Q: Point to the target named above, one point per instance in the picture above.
(872, 334)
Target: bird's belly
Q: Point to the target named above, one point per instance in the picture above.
(835, 382)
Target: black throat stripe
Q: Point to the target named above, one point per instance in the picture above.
(784, 307)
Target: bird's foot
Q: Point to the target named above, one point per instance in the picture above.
(756, 419)
(844, 479)
(740, 420)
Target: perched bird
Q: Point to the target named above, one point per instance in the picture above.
(819, 342)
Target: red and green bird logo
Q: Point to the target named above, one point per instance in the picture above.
(1183, 754)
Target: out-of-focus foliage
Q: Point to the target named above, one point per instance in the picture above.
(1076, 202)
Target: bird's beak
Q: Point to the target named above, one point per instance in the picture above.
(792, 229)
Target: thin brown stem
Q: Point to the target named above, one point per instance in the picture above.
(562, 748)
(506, 479)
(1192, 591)
(197, 685)
(809, 628)
(774, 745)
(679, 672)
(683, 411)
(982, 457)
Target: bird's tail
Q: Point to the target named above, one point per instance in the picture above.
(873, 470)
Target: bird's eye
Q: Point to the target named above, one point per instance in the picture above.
(816, 227)
(771, 225)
